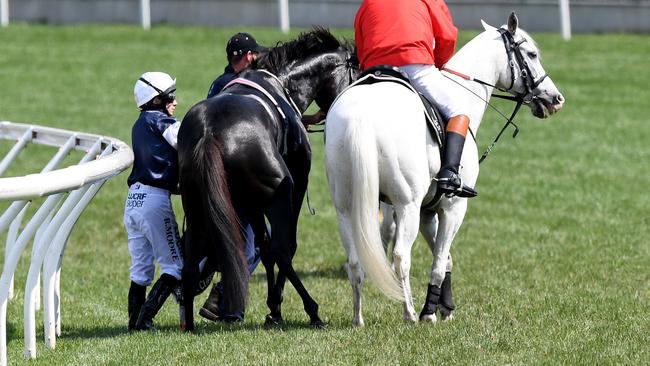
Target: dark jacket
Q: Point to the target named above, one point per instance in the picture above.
(218, 84)
(155, 160)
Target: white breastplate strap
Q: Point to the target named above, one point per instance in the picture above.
(262, 102)
(259, 88)
(286, 92)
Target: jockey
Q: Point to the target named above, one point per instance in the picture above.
(419, 37)
(148, 216)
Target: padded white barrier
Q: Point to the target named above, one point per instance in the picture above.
(68, 191)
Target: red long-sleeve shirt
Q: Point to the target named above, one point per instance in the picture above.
(403, 32)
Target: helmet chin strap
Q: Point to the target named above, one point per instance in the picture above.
(153, 106)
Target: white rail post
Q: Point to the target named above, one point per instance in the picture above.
(4, 13)
(565, 19)
(48, 231)
(145, 14)
(283, 9)
(80, 182)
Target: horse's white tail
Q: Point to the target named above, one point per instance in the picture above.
(365, 209)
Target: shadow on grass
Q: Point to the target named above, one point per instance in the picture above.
(72, 332)
(252, 326)
(201, 328)
(12, 333)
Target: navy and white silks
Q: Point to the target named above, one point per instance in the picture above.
(148, 215)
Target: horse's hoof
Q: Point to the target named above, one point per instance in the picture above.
(357, 323)
(446, 313)
(319, 324)
(273, 321)
(410, 318)
(428, 318)
(186, 329)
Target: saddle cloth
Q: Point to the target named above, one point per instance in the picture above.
(387, 73)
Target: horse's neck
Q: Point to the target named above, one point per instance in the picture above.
(481, 58)
(302, 80)
(297, 95)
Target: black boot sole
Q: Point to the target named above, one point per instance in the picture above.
(465, 192)
(207, 314)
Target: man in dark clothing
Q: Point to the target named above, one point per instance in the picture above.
(242, 49)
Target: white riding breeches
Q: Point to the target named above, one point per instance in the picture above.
(152, 233)
(444, 93)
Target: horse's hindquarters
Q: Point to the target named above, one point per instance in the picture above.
(376, 143)
(394, 116)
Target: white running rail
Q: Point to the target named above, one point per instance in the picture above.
(68, 191)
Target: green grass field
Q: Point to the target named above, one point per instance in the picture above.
(551, 264)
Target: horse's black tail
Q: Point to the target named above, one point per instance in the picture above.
(212, 218)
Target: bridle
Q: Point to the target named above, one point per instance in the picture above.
(351, 64)
(513, 49)
(515, 60)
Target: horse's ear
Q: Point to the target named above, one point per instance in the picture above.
(486, 26)
(513, 23)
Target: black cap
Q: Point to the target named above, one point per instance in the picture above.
(241, 43)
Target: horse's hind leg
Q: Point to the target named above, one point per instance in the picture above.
(387, 228)
(283, 220)
(189, 277)
(408, 218)
(353, 268)
(428, 228)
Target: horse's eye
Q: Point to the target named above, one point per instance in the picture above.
(532, 54)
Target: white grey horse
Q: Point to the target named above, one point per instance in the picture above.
(378, 146)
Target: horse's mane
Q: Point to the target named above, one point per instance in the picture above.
(317, 41)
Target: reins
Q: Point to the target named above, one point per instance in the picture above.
(512, 48)
(509, 120)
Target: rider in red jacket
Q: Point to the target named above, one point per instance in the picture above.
(419, 37)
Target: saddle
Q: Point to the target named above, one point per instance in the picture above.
(387, 73)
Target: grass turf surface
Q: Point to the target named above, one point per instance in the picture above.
(551, 263)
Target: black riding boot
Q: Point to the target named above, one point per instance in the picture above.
(157, 296)
(214, 307)
(136, 299)
(210, 309)
(449, 181)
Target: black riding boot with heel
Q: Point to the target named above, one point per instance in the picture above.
(137, 295)
(210, 309)
(157, 296)
(213, 308)
(449, 181)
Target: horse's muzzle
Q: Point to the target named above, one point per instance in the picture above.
(545, 105)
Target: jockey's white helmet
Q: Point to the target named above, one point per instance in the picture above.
(150, 85)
